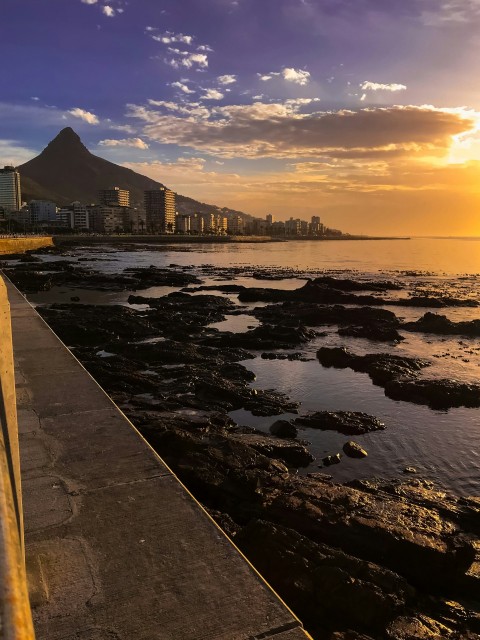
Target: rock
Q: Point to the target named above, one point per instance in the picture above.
(75, 299)
(381, 367)
(418, 628)
(325, 587)
(441, 325)
(283, 429)
(409, 470)
(354, 450)
(378, 332)
(437, 394)
(346, 422)
(292, 453)
(329, 460)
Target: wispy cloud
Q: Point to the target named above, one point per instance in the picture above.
(227, 79)
(182, 86)
(89, 1)
(86, 116)
(298, 76)
(136, 143)
(169, 37)
(378, 86)
(212, 94)
(188, 60)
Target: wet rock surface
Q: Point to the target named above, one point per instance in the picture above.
(435, 323)
(366, 560)
(346, 422)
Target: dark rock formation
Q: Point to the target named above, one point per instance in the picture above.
(438, 324)
(346, 422)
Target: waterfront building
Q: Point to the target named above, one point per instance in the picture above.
(183, 223)
(114, 197)
(196, 224)
(10, 192)
(160, 210)
(42, 212)
(236, 225)
(293, 227)
(277, 228)
(316, 227)
(269, 218)
(75, 216)
(221, 224)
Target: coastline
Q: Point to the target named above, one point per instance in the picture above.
(377, 557)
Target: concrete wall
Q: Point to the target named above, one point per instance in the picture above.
(20, 245)
(15, 616)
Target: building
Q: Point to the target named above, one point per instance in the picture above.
(316, 227)
(75, 216)
(42, 212)
(160, 210)
(114, 197)
(269, 218)
(10, 193)
(236, 225)
(293, 227)
(196, 223)
(183, 223)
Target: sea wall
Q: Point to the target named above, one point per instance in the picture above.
(148, 239)
(22, 244)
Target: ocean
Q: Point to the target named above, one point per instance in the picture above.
(442, 445)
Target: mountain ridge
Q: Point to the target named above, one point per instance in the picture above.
(66, 171)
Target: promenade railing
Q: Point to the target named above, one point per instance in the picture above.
(15, 614)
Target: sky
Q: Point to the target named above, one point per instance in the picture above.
(364, 112)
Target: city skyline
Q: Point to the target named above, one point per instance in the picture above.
(355, 111)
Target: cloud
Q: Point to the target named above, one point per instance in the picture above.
(122, 127)
(280, 130)
(227, 79)
(188, 60)
(12, 152)
(89, 1)
(296, 75)
(169, 37)
(35, 98)
(212, 94)
(204, 47)
(378, 86)
(87, 116)
(137, 143)
(268, 76)
(108, 11)
(183, 87)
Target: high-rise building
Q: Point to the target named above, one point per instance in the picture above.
(114, 197)
(160, 210)
(75, 216)
(10, 194)
(269, 218)
(42, 211)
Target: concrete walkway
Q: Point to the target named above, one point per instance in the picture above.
(117, 549)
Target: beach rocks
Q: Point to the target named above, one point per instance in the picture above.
(283, 429)
(438, 324)
(323, 585)
(354, 450)
(377, 332)
(436, 393)
(381, 367)
(346, 422)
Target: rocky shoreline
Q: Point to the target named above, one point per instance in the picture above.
(377, 559)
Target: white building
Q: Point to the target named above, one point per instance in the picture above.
(10, 194)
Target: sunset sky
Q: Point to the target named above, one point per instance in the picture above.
(365, 112)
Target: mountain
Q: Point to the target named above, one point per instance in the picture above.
(66, 171)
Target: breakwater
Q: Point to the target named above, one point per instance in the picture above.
(25, 243)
